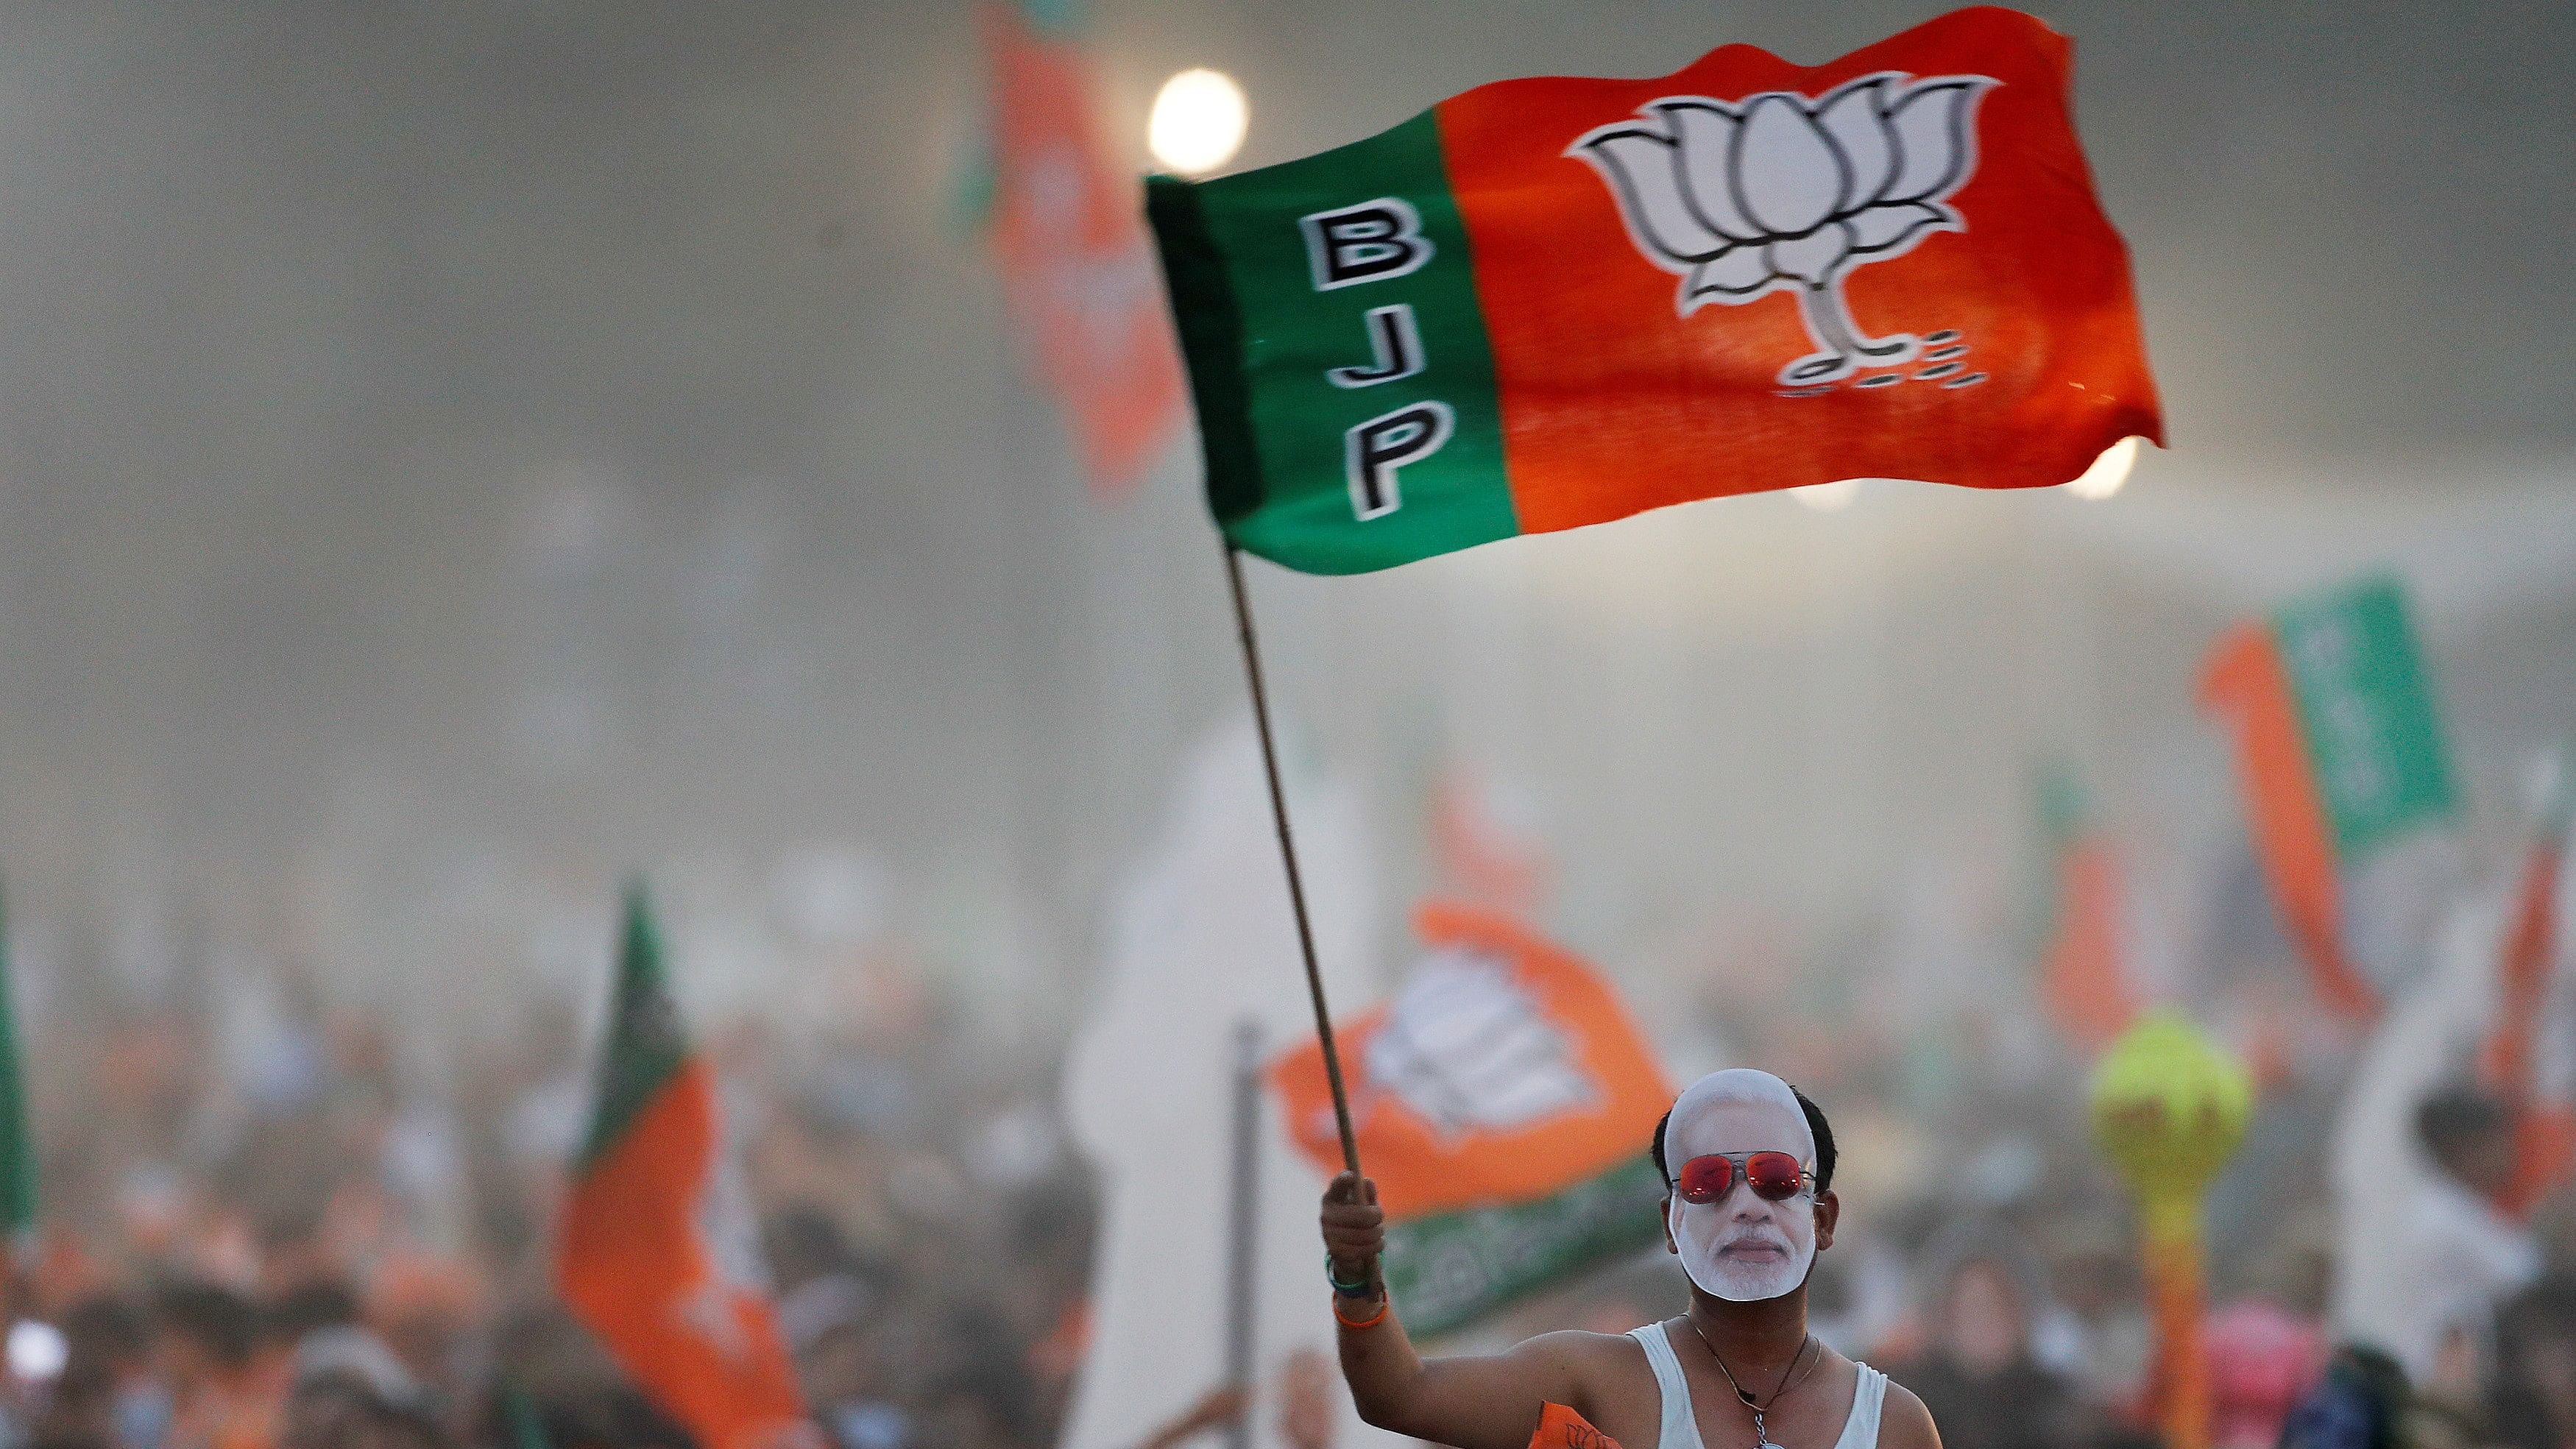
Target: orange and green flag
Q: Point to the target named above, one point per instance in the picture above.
(2084, 974)
(2339, 754)
(1554, 302)
(1503, 1102)
(2544, 1122)
(657, 1255)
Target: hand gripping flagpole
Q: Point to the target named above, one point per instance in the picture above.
(1288, 859)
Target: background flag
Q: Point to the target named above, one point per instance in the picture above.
(2509, 1061)
(1074, 261)
(2339, 751)
(2084, 974)
(17, 1146)
(1503, 1102)
(655, 1257)
(1553, 302)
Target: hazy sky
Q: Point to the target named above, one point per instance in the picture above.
(587, 420)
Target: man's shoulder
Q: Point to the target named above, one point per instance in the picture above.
(1575, 1345)
(1589, 1359)
(1904, 1422)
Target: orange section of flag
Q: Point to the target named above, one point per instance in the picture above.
(1504, 1070)
(2246, 681)
(2544, 1132)
(1070, 238)
(1619, 397)
(635, 1268)
(1561, 1428)
(2083, 980)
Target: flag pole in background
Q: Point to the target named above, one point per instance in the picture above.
(1288, 857)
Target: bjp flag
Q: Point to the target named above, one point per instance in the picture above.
(658, 1253)
(1555, 302)
(1076, 268)
(1504, 1104)
(2340, 755)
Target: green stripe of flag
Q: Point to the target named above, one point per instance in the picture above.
(645, 1044)
(1337, 350)
(2366, 707)
(1452, 1269)
(17, 1147)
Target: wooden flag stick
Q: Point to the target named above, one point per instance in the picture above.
(1288, 858)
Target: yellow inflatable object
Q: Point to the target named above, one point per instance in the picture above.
(2170, 1108)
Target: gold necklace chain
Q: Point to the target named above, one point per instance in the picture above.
(1761, 1434)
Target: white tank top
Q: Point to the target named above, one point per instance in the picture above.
(1681, 1426)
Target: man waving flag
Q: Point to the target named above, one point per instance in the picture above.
(657, 1257)
(1555, 302)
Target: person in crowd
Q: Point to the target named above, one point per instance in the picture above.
(1749, 1165)
(2362, 1402)
(2531, 1401)
(208, 1343)
(2260, 1360)
(1977, 1374)
(2420, 1159)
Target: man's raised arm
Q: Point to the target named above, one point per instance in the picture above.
(1474, 1403)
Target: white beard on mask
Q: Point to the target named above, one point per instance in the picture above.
(1702, 1231)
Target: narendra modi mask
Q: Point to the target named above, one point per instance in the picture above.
(1742, 1160)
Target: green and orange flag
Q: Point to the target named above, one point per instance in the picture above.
(2544, 1121)
(1554, 302)
(2084, 971)
(656, 1256)
(2339, 752)
(1503, 1101)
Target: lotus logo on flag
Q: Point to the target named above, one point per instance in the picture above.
(1467, 1049)
(1780, 192)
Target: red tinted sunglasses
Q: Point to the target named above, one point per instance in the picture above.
(1773, 1176)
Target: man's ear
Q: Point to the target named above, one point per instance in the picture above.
(1669, 1245)
(1829, 1211)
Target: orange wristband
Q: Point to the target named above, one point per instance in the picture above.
(1385, 1302)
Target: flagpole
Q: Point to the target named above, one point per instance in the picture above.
(1288, 858)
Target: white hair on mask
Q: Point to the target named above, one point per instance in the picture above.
(1736, 1087)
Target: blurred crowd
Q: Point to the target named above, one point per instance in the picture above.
(2385, 1269)
(292, 1238)
(298, 1245)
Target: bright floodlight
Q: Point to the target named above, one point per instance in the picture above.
(2107, 473)
(1198, 122)
(37, 1351)
(1831, 497)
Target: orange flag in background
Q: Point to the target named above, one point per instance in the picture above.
(2546, 1128)
(1504, 1071)
(1503, 1102)
(2083, 973)
(654, 1259)
(1070, 238)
